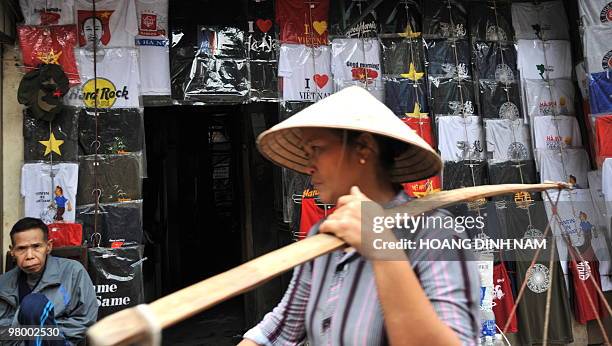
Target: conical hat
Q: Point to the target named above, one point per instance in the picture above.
(352, 108)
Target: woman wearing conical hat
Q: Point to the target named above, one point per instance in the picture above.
(356, 150)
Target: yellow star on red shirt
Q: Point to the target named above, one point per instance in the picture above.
(105, 14)
(52, 145)
(50, 57)
(416, 113)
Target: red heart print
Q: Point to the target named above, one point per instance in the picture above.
(264, 25)
(321, 80)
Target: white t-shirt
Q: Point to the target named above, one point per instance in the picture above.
(508, 140)
(38, 188)
(460, 138)
(118, 79)
(558, 165)
(115, 26)
(595, 12)
(606, 178)
(356, 61)
(47, 12)
(306, 72)
(153, 46)
(546, 21)
(598, 48)
(583, 80)
(556, 131)
(554, 97)
(544, 59)
(595, 186)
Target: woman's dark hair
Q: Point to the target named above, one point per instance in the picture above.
(389, 148)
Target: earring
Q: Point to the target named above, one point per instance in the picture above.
(362, 161)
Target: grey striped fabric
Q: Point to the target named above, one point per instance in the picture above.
(332, 300)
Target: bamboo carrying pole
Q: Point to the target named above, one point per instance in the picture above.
(135, 326)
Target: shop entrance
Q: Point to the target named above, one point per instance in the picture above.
(193, 211)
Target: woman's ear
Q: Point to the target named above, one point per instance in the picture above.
(366, 146)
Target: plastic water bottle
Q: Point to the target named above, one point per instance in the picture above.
(488, 341)
(498, 340)
(488, 323)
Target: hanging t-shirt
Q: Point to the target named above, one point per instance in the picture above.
(57, 141)
(445, 19)
(544, 59)
(600, 92)
(554, 97)
(117, 176)
(606, 174)
(556, 132)
(463, 174)
(303, 22)
(598, 48)
(153, 46)
(306, 72)
(120, 131)
(49, 45)
(496, 61)
(398, 17)
(595, 12)
(586, 291)
(66, 234)
(521, 172)
(114, 22)
(564, 165)
(491, 22)
(423, 187)
(583, 80)
(508, 140)
(118, 224)
(421, 124)
(264, 80)
(47, 12)
(543, 21)
(366, 27)
(403, 56)
(448, 59)
(312, 210)
(357, 62)
(43, 199)
(118, 79)
(499, 100)
(503, 301)
(603, 132)
(460, 138)
(595, 186)
(451, 97)
(402, 95)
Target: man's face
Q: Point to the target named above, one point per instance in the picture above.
(90, 34)
(30, 250)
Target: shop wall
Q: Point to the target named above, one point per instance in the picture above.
(12, 144)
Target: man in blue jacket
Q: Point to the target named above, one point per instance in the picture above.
(43, 290)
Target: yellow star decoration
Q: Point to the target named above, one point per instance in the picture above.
(408, 33)
(105, 14)
(412, 73)
(416, 113)
(50, 57)
(52, 145)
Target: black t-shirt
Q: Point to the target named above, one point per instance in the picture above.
(499, 100)
(463, 174)
(399, 53)
(521, 172)
(399, 17)
(261, 32)
(117, 176)
(264, 80)
(119, 224)
(495, 60)
(444, 21)
(448, 58)
(120, 130)
(491, 23)
(402, 94)
(451, 97)
(64, 127)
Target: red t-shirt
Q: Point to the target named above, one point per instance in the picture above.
(50, 45)
(66, 234)
(311, 213)
(303, 21)
(424, 187)
(603, 131)
(422, 126)
(503, 301)
(581, 274)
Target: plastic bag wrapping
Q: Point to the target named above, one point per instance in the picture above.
(56, 140)
(496, 60)
(554, 97)
(287, 109)
(445, 18)
(513, 172)
(118, 79)
(120, 131)
(117, 278)
(491, 21)
(544, 20)
(403, 95)
(463, 174)
(446, 58)
(306, 72)
(368, 26)
(399, 17)
(182, 53)
(294, 184)
(499, 100)
(451, 97)
(262, 49)
(50, 45)
(357, 62)
(598, 48)
(600, 95)
(118, 224)
(264, 81)
(400, 54)
(507, 140)
(117, 176)
(303, 22)
(219, 73)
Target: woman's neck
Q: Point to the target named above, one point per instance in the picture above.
(381, 193)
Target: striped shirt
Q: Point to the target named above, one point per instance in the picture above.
(333, 300)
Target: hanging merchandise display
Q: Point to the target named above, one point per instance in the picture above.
(451, 97)
(264, 80)
(303, 22)
(507, 140)
(66, 234)
(499, 100)
(47, 12)
(600, 92)
(542, 21)
(402, 56)
(503, 301)
(580, 273)
(117, 79)
(445, 18)
(113, 24)
(491, 21)
(219, 72)
(583, 81)
(544, 60)
(595, 12)
(513, 172)
(261, 38)
(306, 72)
(556, 132)
(405, 97)
(495, 61)
(117, 224)
(182, 55)
(117, 178)
(120, 131)
(448, 58)
(400, 17)
(357, 62)
(312, 210)
(117, 278)
(603, 133)
(153, 46)
(367, 25)
(421, 124)
(50, 191)
(568, 165)
(553, 97)
(424, 187)
(463, 174)
(49, 45)
(595, 187)
(460, 138)
(597, 48)
(41, 90)
(56, 140)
